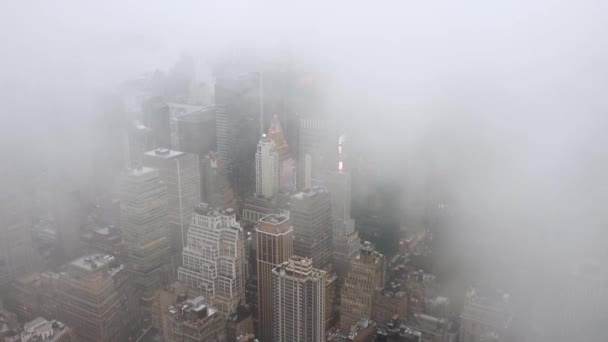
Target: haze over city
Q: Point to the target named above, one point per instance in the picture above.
(461, 146)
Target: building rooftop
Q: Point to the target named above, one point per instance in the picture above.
(274, 219)
(94, 262)
(300, 267)
(141, 170)
(198, 115)
(42, 330)
(207, 210)
(309, 193)
(164, 153)
(194, 311)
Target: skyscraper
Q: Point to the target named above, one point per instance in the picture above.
(318, 151)
(214, 261)
(298, 296)
(196, 131)
(345, 238)
(157, 118)
(138, 141)
(310, 215)
(97, 299)
(237, 101)
(215, 188)
(266, 168)
(366, 274)
(274, 237)
(180, 172)
(286, 162)
(143, 208)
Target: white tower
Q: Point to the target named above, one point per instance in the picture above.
(266, 168)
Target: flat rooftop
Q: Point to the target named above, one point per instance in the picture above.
(164, 153)
(310, 192)
(274, 219)
(93, 262)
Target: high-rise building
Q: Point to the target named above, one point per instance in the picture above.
(196, 131)
(346, 243)
(298, 301)
(180, 172)
(318, 151)
(310, 215)
(177, 111)
(16, 249)
(286, 162)
(138, 141)
(157, 119)
(365, 276)
(215, 187)
(237, 104)
(274, 237)
(266, 168)
(214, 260)
(143, 207)
(193, 320)
(485, 317)
(97, 299)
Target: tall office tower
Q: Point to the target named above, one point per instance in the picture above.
(98, 300)
(345, 238)
(176, 112)
(196, 131)
(215, 188)
(485, 317)
(310, 215)
(286, 162)
(16, 249)
(274, 246)
(143, 208)
(138, 141)
(266, 169)
(237, 102)
(298, 301)
(193, 320)
(180, 172)
(365, 276)
(157, 118)
(214, 261)
(318, 151)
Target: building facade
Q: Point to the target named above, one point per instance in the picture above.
(274, 246)
(298, 301)
(310, 215)
(97, 299)
(180, 172)
(365, 276)
(346, 243)
(214, 260)
(143, 207)
(266, 168)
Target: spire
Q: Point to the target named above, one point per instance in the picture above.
(275, 133)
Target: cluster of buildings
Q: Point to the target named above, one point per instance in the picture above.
(223, 226)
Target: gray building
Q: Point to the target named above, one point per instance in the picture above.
(346, 243)
(144, 224)
(310, 215)
(298, 301)
(274, 246)
(214, 260)
(180, 172)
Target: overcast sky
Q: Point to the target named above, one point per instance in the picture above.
(505, 102)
